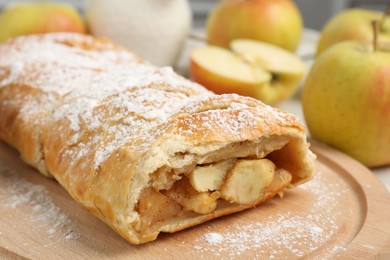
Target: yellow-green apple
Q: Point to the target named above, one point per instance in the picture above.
(346, 100)
(30, 18)
(278, 22)
(353, 24)
(249, 68)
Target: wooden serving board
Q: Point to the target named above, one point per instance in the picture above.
(344, 211)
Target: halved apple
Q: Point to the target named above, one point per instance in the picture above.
(249, 68)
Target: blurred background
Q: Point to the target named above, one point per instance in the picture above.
(315, 12)
(142, 36)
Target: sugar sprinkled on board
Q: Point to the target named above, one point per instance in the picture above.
(213, 238)
(288, 233)
(297, 234)
(43, 211)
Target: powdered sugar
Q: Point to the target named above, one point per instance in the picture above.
(213, 238)
(290, 234)
(42, 211)
(84, 81)
(15, 71)
(92, 101)
(114, 97)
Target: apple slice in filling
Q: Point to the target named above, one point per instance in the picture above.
(231, 182)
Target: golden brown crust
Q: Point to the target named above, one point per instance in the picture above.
(104, 124)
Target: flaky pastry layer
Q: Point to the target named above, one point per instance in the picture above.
(142, 148)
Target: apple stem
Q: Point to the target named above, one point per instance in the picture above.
(375, 29)
(384, 16)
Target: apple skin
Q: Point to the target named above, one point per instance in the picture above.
(352, 24)
(31, 18)
(346, 101)
(271, 94)
(278, 22)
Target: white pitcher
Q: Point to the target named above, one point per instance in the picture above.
(156, 30)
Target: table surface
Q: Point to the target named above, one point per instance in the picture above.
(306, 50)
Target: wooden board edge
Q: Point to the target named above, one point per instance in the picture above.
(6, 254)
(373, 240)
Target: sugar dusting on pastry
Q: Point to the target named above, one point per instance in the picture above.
(94, 107)
(86, 79)
(290, 233)
(94, 76)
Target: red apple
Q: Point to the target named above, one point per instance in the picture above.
(278, 22)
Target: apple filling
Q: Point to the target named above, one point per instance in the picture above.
(207, 188)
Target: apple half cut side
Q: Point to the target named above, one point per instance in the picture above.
(249, 68)
(221, 71)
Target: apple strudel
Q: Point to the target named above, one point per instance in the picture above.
(140, 147)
